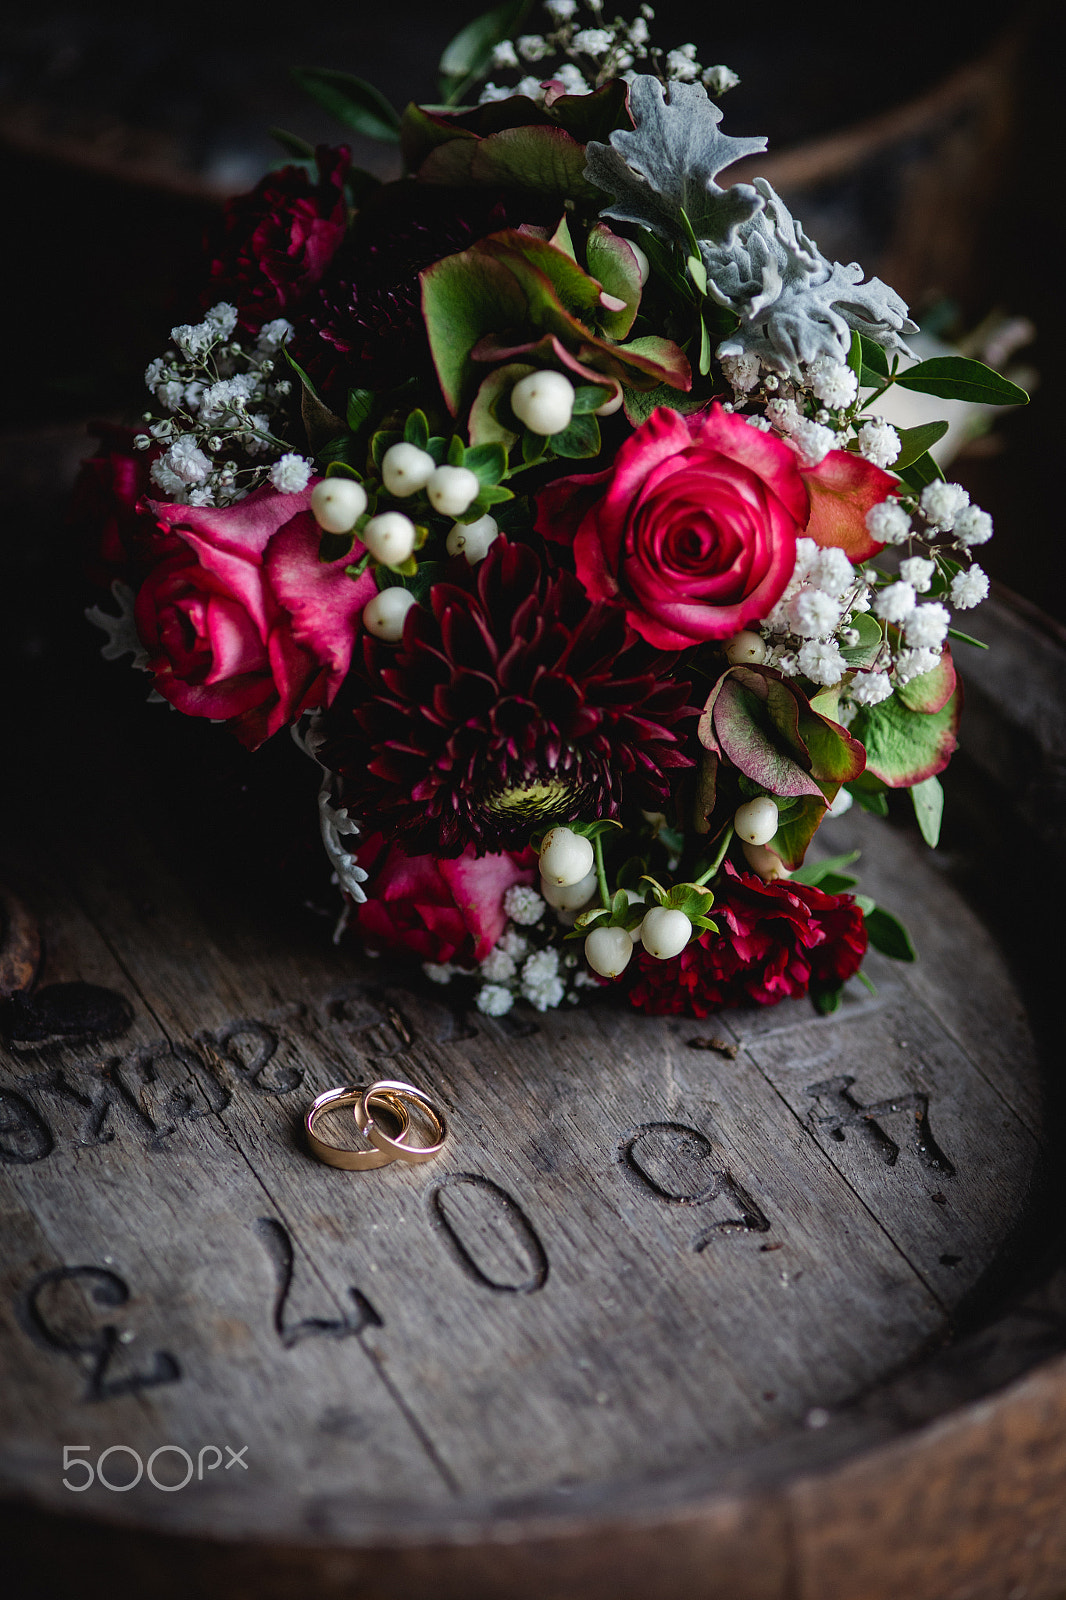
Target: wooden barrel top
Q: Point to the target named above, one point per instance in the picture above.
(769, 1306)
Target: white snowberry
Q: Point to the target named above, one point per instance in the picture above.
(608, 951)
(384, 616)
(665, 932)
(452, 490)
(569, 896)
(337, 504)
(472, 539)
(405, 469)
(745, 649)
(544, 401)
(565, 857)
(390, 538)
(765, 863)
(609, 407)
(756, 820)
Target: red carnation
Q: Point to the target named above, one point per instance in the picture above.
(774, 940)
(277, 241)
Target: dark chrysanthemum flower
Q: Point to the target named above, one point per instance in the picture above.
(275, 243)
(774, 941)
(511, 701)
(363, 327)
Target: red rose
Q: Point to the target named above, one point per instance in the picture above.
(278, 240)
(693, 529)
(774, 940)
(245, 624)
(115, 535)
(436, 910)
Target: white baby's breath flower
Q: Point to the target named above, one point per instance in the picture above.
(943, 503)
(491, 93)
(914, 664)
(973, 526)
(272, 335)
(498, 966)
(784, 414)
(870, 688)
(813, 441)
(812, 614)
(187, 461)
(541, 983)
(533, 46)
(530, 87)
(639, 32)
(832, 571)
(561, 10)
(682, 64)
(592, 41)
(523, 905)
(742, 371)
(503, 54)
(888, 523)
(879, 442)
(821, 661)
(894, 603)
(221, 319)
(834, 383)
(969, 588)
(918, 571)
(927, 626)
(438, 971)
(291, 473)
(719, 80)
(494, 1000)
(513, 944)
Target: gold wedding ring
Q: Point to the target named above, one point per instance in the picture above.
(387, 1092)
(355, 1160)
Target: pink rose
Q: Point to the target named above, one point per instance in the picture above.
(436, 910)
(693, 529)
(245, 624)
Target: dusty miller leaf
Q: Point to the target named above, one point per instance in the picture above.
(670, 162)
(794, 305)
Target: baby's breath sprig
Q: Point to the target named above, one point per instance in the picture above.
(222, 399)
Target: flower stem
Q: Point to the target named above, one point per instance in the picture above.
(705, 877)
(601, 873)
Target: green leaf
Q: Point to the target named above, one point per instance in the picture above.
(920, 472)
(353, 101)
(470, 51)
(887, 934)
(486, 426)
(587, 397)
(855, 353)
(640, 403)
(904, 747)
(826, 1001)
(293, 144)
(488, 463)
(456, 451)
(359, 403)
(916, 441)
(331, 546)
(874, 362)
(381, 442)
(928, 798)
(873, 800)
(416, 430)
(960, 378)
(813, 872)
(865, 903)
(705, 349)
(966, 638)
(870, 636)
(579, 440)
(489, 495)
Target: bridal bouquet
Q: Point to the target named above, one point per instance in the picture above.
(543, 495)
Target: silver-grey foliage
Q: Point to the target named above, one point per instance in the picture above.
(670, 162)
(793, 304)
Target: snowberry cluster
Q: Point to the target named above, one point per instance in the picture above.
(220, 401)
(581, 54)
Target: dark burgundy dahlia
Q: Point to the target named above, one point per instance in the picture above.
(511, 700)
(363, 327)
(774, 941)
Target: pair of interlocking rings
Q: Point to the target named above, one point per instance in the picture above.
(398, 1100)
